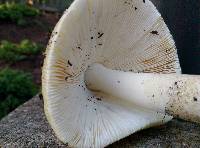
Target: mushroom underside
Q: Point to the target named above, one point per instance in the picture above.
(122, 35)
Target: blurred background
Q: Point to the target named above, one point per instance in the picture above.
(25, 28)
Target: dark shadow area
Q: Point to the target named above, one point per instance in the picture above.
(183, 20)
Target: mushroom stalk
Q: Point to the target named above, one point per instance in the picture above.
(174, 94)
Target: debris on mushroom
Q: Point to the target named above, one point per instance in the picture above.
(112, 33)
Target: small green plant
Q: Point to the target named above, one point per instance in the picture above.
(16, 87)
(27, 47)
(11, 52)
(17, 13)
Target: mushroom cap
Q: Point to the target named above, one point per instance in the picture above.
(127, 35)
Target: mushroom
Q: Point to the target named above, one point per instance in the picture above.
(88, 105)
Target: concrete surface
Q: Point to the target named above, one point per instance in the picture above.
(27, 127)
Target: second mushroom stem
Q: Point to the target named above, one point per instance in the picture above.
(174, 94)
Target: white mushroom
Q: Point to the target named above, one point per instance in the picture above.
(123, 35)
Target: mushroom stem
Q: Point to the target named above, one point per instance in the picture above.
(174, 94)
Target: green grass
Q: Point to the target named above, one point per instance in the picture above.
(11, 52)
(17, 13)
(16, 87)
